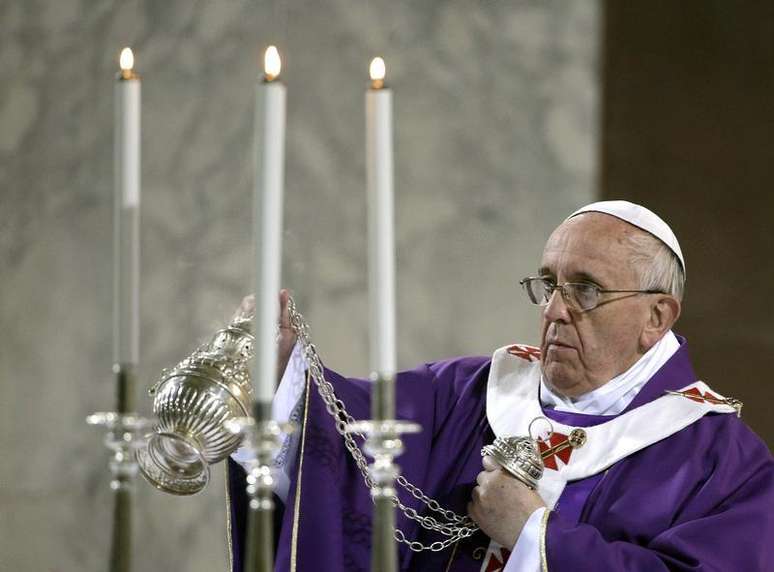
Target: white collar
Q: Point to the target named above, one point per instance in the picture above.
(512, 405)
(618, 393)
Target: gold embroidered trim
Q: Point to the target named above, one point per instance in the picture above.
(543, 529)
(297, 502)
(228, 523)
(451, 558)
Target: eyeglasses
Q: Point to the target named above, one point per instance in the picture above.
(579, 296)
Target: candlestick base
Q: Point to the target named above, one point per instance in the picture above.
(262, 439)
(126, 433)
(383, 444)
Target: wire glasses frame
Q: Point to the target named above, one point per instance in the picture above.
(579, 296)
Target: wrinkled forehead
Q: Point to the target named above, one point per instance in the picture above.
(592, 245)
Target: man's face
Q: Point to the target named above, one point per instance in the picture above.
(584, 350)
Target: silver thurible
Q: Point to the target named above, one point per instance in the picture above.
(194, 403)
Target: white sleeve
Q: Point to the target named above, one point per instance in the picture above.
(526, 553)
(291, 387)
(286, 406)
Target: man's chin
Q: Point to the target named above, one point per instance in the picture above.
(561, 379)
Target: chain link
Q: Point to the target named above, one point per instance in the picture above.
(457, 527)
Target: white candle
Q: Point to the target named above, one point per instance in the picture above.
(269, 174)
(126, 214)
(381, 247)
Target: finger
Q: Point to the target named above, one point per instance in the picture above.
(476, 504)
(471, 510)
(485, 479)
(490, 464)
(284, 297)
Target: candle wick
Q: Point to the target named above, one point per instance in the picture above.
(377, 84)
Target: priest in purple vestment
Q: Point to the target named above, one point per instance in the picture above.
(646, 468)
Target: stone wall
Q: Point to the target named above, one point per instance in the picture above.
(496, 140)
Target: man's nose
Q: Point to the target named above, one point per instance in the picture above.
(557, 310)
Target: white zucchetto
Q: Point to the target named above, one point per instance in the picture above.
(640, 217)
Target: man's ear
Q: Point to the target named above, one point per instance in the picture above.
(664, 312)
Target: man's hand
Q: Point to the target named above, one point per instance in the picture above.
(287, 336)
(500, 504)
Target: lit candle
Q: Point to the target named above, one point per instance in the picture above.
(381, 247)
(269, 173)
(126, 214)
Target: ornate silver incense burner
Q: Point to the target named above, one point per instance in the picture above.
(519, 456)
(194, 403)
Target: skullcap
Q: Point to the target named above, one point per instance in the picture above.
(640, 217)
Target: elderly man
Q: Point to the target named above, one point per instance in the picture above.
(645, 467)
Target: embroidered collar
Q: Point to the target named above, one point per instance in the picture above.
(616, 394)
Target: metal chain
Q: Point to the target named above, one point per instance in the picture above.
(456, 529)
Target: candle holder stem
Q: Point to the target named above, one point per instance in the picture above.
(383, 397)
(262, 437)
(121, 539)
(124, 434)
(125, 387)
(383, 444)
(384, 555)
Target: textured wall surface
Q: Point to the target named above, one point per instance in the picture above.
(496, 139)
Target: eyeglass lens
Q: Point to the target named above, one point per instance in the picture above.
(578, 295)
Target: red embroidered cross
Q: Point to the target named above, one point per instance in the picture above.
(695, 394)
(497, 559)
(529, 353)
(557, 445)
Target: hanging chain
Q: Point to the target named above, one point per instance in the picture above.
(457, 527)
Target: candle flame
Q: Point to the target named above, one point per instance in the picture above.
(126, 61)
(272, 63)
(377, 69)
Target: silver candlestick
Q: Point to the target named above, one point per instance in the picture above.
(125, 434)
(262, 437)
(383, 444)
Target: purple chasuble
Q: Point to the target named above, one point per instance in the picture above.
(699, 500)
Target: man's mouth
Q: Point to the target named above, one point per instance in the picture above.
(556, 344)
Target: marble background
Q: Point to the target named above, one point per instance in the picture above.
(496, 105)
